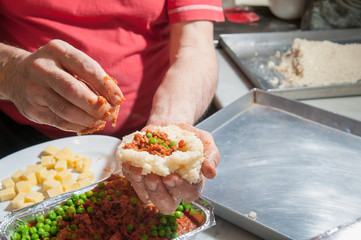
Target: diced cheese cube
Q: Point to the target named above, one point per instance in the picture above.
(50, 150)
(19, 200)
(71, 187)
(85, 182)
(86, 174)
(27, 204)
(75, 159)
(64, 154)
(55, 191)
(16, 176)
(50, 183)
(7, 194)
(49, 175)
(60, 165)
(8, 183)
(63, 176)
(48, 161)
(34, 197)
(83, 165)
(40, 173)
(22, 186)
(30, 177)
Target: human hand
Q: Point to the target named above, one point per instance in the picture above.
(167, 192)
(57, 85)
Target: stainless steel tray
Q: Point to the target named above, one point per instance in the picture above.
(251, 50)
(298, 167)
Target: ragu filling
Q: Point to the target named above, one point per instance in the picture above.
(155, 144)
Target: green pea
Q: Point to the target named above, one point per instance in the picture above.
(73, 227)
(180, 208)
(46, 235)
(89, 209)
(163, 220)
(59, 217)
(40, 218)
(16, 236)
(172, 219)
(175, 235)
(171, 144)
(101, 194)
(33, 230)
(59, 211)
(117, 193)
(89, 193)
(154, 233)
(53, 230)
(158, 215)
(71, 210)
(96, 237)
(74, 197)
(23, 229)
(153, 228)
(174, 227)
(80, 202)
(161, 233)
(130, 227)
(82, 196)
(25, 237)
(109, 197)
(178, 214)
(148, 134)
(65, 216)
(133, 200)
(153, 141)
(80, 210)
(41, 231)
(46, 227)
(39, 225)
(144, 237)
(35, 236)
(54, 223)
(69, 202)
(101, 185)
(47, 221)
(65, 207)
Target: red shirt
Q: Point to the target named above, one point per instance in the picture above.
(128, 38)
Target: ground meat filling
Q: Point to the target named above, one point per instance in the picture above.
(120, 214)
(155, 144)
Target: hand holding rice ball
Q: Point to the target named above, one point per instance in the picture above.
(166, 164)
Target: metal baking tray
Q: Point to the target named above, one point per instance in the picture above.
(253, 51)
(296, 166)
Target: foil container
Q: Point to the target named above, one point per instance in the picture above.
(12, 221)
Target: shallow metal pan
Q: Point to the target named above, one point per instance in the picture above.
(298, 167)
(251, 50)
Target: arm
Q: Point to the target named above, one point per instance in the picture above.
(44, 88)
(189, 84)
(183, 96)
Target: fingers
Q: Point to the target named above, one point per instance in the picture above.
(135, 177)
(211, 152)
(180, 188)
(80, 64)
(159, 195)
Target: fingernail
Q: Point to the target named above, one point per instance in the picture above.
(152, 186)
(118, 99)
(137, 178)
(169, 183)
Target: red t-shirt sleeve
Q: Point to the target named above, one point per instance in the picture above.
(190, 10)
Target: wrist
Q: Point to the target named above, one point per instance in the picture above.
(9, 66)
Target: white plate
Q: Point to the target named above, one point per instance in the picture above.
(100, 148)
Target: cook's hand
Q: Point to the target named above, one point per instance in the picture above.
(167, 192)
(46, 88)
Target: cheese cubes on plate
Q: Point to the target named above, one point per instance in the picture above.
(52, 176)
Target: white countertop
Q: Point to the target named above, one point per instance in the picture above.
(232, 85)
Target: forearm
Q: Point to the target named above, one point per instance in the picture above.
(189, 84)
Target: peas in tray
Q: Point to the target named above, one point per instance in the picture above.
(109, 209)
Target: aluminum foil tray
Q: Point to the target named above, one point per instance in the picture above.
(253, 51)
(296, 166)
(13, 219)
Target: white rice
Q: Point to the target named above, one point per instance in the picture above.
(186, 162)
